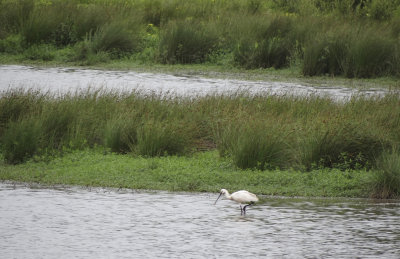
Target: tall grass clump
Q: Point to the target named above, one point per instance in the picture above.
(255, 145)
(114, 40)
(326, 56)
(265, 42)
(386, 182)
(364, 52)
(57, 122)
(17, 103)
(346, 146)
(186, 42)
(117, 37)
(372, 55)
(156, 138)
(121, 134)
(43, 21)
(89, 18)
(21, 140)
(13, 14)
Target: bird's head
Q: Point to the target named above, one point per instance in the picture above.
(223, 191)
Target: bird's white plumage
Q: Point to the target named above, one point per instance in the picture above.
(240, 197)
(244, 197)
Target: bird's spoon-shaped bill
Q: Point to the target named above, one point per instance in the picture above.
(218, 198)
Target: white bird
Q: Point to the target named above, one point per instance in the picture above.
(240, 197)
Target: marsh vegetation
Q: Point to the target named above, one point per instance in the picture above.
(264, 133)
(350, 38)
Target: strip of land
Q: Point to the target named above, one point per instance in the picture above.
(202, 172)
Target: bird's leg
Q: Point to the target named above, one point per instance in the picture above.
(241, 209)
(244, 208)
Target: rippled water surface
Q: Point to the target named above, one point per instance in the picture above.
(62, 80)
(72, 222)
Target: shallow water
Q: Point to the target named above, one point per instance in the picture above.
(63, 80)
(72, 222)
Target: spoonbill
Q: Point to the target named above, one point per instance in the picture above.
(240, 197)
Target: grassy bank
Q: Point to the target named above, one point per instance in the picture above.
(204, 172)
(266, 134)
(350, 38)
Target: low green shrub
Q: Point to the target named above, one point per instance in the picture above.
(43, 52)
(13, 44)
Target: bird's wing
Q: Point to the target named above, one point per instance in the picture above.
(244, 196)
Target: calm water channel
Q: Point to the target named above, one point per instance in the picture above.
(72, 222)
(62, 80)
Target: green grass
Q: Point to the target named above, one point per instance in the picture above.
(256, 131)
(203, 172)
(313, 37)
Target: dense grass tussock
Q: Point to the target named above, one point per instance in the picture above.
(21, 140)
(387, 177)
(348, 38)
(370, 53)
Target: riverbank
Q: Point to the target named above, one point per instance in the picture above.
(202, 172)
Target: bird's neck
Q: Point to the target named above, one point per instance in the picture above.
(228, 196)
